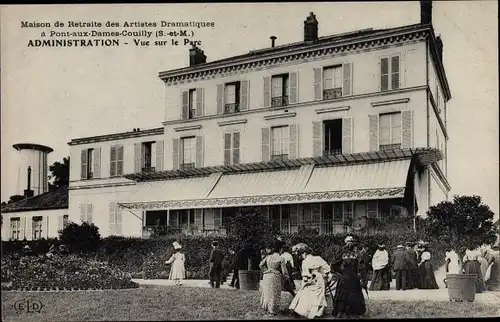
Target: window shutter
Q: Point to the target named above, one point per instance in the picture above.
(227, 148)
(317, 139)
(406, 126)
(112, 223)
(199, 151)
(402, 70)
(218, 218)
(220, 98)
(29, 228)
(266, 143)
(119, 220)
(347, 135)
(200, 102)
(84, 157)
(47, 227)
(60, 223)
(175, 154)
(318, 84)
(294, 88)
(267, 91)
(137, 157)
(395, 72)
(236, 147)
(89, 213)
(294, 141)
(119, 160)
(245, 95)
(112, 162)
(198, 218)
(347, 75)
(159, 155)
(83, 212)
(373, 127)
(184, 104)
(22, 228)
(97, 163)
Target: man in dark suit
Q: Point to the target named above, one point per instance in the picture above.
(412, 273)
(216, 257)
(400, 266)
(364, 266)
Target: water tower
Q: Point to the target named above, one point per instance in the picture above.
(33, 170)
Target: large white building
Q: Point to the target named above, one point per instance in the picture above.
(319, 133)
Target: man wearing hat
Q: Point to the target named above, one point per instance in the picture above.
(400, 266)
(216, 257)
(412, 276)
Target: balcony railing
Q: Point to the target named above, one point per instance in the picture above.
(279, 157)
(279, 101)
(332, 93)
(332, 152)
(386, 147)
(231, 108)
(186, 166)
(148, 169)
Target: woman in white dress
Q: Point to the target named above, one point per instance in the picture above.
(177, 271)
(310, 300)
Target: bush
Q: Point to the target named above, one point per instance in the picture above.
(81, 238)
(53, 271)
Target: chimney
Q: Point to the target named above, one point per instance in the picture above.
(196, 56)
(425, 12)
(273, 39)
(311, 28)
(439, 47)
(28, 193)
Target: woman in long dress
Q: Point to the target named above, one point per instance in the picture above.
(273, 267)
(381, 271)
(348, 299)
(177, 271)
(427, 277)
(472, 266)
(310, 300)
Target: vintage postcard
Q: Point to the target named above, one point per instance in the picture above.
(203, 161)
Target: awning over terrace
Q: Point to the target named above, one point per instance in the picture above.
(304, 184)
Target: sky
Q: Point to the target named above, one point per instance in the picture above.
(52, 95)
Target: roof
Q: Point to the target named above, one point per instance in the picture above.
(57, 199)
(117, 136)
(32, 146)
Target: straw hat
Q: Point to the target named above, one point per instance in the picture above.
(176, 245)
(349, 239)
(399, 246)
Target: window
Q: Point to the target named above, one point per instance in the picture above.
(280, 142)
(148, 156)
(332, 82)
(232, 98)
(390, 131)
(333, 137)
(116, 161)
(65, 221)
(87, 164)
(188, 148)
(389, 73)
(37, 227)
(231, 148)
(192, 103)
(15, 228)
(186, 217)
(280, 90)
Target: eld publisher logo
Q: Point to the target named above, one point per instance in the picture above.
(28, 306)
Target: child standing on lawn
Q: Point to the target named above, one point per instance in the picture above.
(177, 271)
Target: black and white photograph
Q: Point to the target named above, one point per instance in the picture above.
(249, 161)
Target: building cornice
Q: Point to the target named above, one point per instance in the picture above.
(266, 60)
(340, 100)
(280, 116)
(117, 136)
(231, 122)
(187, 128)
(390, 102)
(331, 109)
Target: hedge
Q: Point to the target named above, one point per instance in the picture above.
(145, 258)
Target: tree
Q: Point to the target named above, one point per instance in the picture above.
(60, 173)
(464, 223)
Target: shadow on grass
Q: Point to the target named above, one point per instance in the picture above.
(183, 303)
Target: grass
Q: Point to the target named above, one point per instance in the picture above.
(170, 303)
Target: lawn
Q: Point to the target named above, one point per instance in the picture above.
(172, 303)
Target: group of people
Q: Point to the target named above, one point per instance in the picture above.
(411, 265)
(483, 263)
(319, 282)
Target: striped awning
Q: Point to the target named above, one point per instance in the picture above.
(309, 183)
